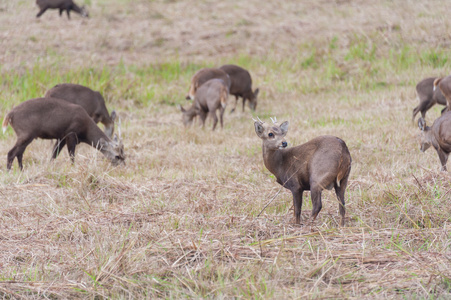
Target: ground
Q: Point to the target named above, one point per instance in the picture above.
(186, 217)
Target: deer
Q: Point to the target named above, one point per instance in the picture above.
(428, 96)
(241, 85)
(209, 98)
(444, 84)
(51, 118)
(321, 163)
(202, 76)
(91, 101)
(438, 135)
(62, 5)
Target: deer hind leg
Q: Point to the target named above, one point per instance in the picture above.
(57, 148)
(68, 12)
(221, 116)
(297, 203)
(316, 202)
(17, 151)
(214, 118)
(443, 158)
(236, 102)
(72, 142)
(340, 191)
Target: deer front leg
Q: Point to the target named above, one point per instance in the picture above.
(57, 148)
(315, 193)
(297, 203)
(443, 158)
(41, 12)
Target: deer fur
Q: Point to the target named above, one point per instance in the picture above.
(50, 118)
(209, 98)
(62, 5)
(241, 85)
(428, 96)
(321, 163)
(444, 84)
(438, 136)
(202, 76)
(90, 100)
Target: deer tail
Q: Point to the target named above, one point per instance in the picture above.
(6, 122)
(344, 167)
(436, 82)
(224, 96)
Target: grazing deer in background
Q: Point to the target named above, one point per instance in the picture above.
(62, 5)
(439, 136)
(90, 100)
(202, 76)
(428, 96)
(241, 85)
(321, 163)
(49, 118)
(209, 97)
(444, 84)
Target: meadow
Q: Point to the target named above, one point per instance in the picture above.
(186, 217)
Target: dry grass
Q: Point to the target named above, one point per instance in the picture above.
(180, 220)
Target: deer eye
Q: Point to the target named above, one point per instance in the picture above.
(271, 134)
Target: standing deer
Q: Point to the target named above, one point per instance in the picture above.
(241, 85)
(439, 136)
(62, 5)
(50, 118)
(202, 76)
(321, 163)
(428, 96)
(90, 100)
(444, 84)
(209, 97)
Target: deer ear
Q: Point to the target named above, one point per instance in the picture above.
(284, 127)
(259, 129)
(113, 115)
(421, 124)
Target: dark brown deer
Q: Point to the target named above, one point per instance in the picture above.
(62, 5)
(321, 163)
(90, 100)
(428, 96)
(241, 85)
(209, 98)
(439, 136)
(50, 118)
(444, 84)
(202, 76)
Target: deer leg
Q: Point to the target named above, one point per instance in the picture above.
(41, 12)
(340, 191)
(443, 110)
(57, 148)
(72, 142)
(203, 116)
(236, 102)
(17, 151)
(61, 12)
(297, 203)
(221, 115)
(214, 117)
(316, 202)
(244, 102)
(68, 13)
(443, 158)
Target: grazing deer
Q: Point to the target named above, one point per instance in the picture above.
(209, 97)
(444, 84)
(428, 96)
(90, 100)
(62, 5)
(50, 118)
(321, 163)
(241, 85)
(439, 136)
(202, 76)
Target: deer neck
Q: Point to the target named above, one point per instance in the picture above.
(274, 160)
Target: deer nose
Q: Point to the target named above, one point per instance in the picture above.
(284, 144)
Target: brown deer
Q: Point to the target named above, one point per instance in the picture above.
(428, 96)
(444, 84)
(62, 5)
(90, 100)
(202, 76)
(439, 136)
(209, 97)
(50, 118)
(321, 163)
(241, 85)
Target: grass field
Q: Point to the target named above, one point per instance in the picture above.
(180, 220)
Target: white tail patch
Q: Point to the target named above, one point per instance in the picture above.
(5, 124)
(338, 182)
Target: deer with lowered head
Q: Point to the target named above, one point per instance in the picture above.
(50, 118)
(62, 5)
(91, 101)
(444, 84)
(241, 85)
(438, 135)
(428, 96)
(204, 75)
(321, 163)
(209, 98)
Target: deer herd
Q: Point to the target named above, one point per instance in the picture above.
(69, 113)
